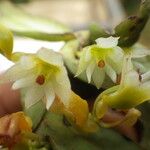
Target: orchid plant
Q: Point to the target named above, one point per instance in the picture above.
(54, 112)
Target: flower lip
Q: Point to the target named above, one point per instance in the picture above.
(109, 42)
(101, 64)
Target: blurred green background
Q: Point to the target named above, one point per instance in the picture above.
(78, 14)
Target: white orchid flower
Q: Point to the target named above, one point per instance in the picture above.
(41, 76)
(104, 57)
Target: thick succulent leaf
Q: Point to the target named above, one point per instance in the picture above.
(6, 41)
(63, 137)
(24, 24)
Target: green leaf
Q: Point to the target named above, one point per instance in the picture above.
(96, 31)
(36, 113)
(6, 42)
(145, 109)
(63, 137)
(36, 27)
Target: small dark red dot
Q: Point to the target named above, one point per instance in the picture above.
(40, 79)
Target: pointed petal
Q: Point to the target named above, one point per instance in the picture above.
(83, 62)
(24, 82)
(89, 70)
(146, 86)
(63, 93)
(139, 51)
(62, 85)
(62, 78)
(98, 77)
(15, 72)
(88, 54)
(33, 95)
(110, 72)
(109, 42)
(50, 57)
(127, 67)
(139, 66)
(116, 59)
(132, 78)
(50, 96)
(27, 62)
(145, 76)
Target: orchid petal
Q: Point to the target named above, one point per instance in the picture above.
(139, 66)
(33, 95)
(127, 67)
(62, 85)
(98, 77)
(50, 96)
(83, 63)
(110, 72)
(50, 57)
(27, 62)
(139, 51)
(88, 55)
(89, 71)
(109, 42)
(24, 82)
(145, 76)
(115, 59)
(132, 77)
(15, 72)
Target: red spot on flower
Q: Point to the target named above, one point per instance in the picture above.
(101, 64)
(40, 79)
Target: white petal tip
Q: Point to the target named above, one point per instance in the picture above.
(109, 42)
(50, 56)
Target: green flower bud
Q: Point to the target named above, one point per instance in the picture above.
(6, 42)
